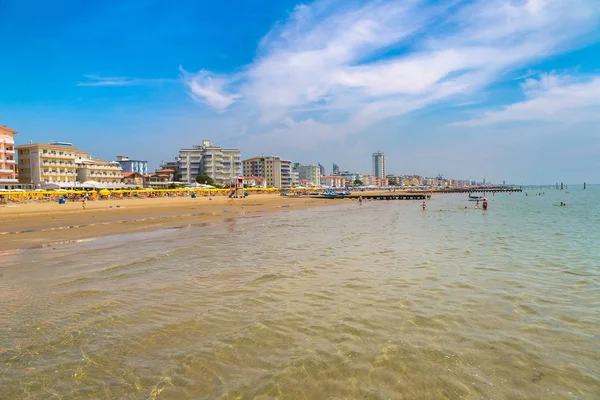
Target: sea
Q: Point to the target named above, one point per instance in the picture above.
(382, 300)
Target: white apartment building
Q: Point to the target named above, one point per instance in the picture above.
(222, 165)
(333, 181)
(98, 173)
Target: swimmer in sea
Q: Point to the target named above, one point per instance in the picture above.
(477, 204)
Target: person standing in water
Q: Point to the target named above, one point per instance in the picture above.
(477, 204)
(424, 205)
(485, 204)
(360, 200)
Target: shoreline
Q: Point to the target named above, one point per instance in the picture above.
(35, 225)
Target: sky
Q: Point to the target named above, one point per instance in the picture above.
(507, 90)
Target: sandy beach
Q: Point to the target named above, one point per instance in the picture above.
(49, 223)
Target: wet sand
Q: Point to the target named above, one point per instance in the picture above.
(46, 224)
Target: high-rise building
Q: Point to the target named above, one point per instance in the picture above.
(379, 164)
(128, 165)
(276, 170)
(309, 172)
(321, 169)
(8, 169)
(222, 165)
(335, 170)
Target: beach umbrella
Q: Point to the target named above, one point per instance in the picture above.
(104, 192)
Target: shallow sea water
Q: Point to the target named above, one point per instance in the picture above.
(379, 301)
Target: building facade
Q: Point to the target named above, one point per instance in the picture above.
(276, 170)
(44, 164)
(309, 172)
(335, 170)
(333, 181)
(128, 165)
(222, 165)
(104, 174)
(8, 163)
(254, 182)
(133, 179)
(379, 164)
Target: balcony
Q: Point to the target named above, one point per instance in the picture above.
(57, 156)
(6, 180)
(7, 140)
(7, 171)
(10, 162)
(7, 151)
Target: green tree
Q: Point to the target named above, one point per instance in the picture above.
(205, 180)
(358, 182)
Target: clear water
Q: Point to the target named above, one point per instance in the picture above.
(379, 301)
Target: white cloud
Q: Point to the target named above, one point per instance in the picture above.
(551, 98)
(95, 80)
(209, 89)
(350, 66)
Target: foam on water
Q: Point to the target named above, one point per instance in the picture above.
(375, 301)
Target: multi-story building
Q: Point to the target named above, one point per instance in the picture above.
(8, 169)
(222, 165)
(309, 172)
(107, 174)
(379, 164)
(128, 165)
(42, 164)
(295, 178)
(335, 170)
(254, 182)
(276, 170)
(333, 181)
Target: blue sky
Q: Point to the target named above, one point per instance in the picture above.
(501, 89)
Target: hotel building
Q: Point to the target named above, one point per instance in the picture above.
(276, 170)
(139, 166)
(309, 172)
(104, 174)
(44, 164)
(8, 170)
(379, 165)
(222, 165)
(333, 181)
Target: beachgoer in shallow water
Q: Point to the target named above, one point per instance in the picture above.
(360, 200)
(424, 205)
(477, 204)
(485, 204)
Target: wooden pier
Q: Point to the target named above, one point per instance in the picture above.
(480, 190)
(386, 196)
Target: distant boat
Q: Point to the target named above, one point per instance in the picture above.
(475, 198)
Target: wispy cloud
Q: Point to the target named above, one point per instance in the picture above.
(551, 98)
(352, 66)
(209, 89)
(95, 80)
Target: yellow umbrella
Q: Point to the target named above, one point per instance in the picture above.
(104, 192)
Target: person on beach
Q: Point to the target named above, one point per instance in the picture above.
(424, 205)
(477, 204)
(360, 200)
(485, 204)
(83, 203)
